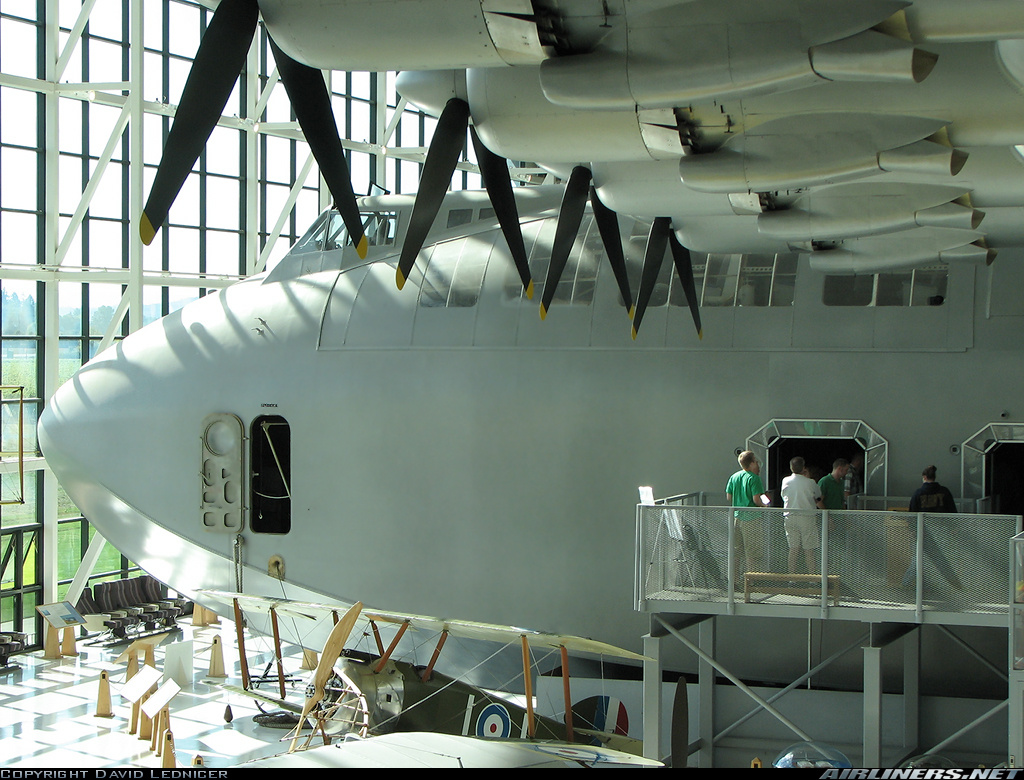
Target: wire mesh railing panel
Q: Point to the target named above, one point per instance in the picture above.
(685, 555)
(868, 551)
(962, 564)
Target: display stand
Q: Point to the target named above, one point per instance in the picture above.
(60, 616)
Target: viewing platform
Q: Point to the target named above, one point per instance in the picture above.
(892, 570)
(687, 562)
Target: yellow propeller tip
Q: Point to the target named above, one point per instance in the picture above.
(399, 278)
(543, 312)
(634, 334)
(700, 334)
(632, 311)
(362, 247)
(146, 230)
(529, 290)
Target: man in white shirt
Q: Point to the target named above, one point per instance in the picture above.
(800, 492)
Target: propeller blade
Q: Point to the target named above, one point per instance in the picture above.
(332, 649)
(498, 183)
(442, 157)
(680, 740)
(653, 257)
(684, 267)
(608, 225)
(214, 71)
(570, 214)
(312, 104)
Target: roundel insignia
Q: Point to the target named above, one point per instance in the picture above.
(494, 721)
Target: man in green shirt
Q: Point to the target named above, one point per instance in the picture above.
(745, 489)
(832, 491)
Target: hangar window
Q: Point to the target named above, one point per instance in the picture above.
(270, 485)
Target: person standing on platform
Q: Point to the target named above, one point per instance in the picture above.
(854, 478)
(745, 489)
(801, 494)
(932, 498)
(833, 496)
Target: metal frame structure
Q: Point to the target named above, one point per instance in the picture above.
(974, 451)
(876, 448)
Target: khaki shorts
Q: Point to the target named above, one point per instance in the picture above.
(750, 538)
(802, 531)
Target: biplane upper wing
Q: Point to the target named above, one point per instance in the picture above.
(324, 615)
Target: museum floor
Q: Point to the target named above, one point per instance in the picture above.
(47, 709)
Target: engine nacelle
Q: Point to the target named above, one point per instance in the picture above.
(379, 35)
(515, 119)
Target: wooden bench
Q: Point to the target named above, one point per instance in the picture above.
(778, 583)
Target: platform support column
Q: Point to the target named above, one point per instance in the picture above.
(706, 695)
(652, 698)
(1015, 718)
(912, 690)
(872, 756)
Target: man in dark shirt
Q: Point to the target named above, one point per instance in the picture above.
(933, 498)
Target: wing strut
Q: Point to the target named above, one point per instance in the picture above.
(565, 693)
(528, 682)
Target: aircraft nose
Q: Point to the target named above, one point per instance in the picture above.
(79, 432)
(108, 431)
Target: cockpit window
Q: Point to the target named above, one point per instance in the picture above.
(329, 231)
(458, 217)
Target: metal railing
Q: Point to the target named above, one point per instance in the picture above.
(885, 559)
(900, 503)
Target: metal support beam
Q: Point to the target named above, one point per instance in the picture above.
(707, 658)
(85, 568)
(858, 642)
(872, 755)
(51, 291)
(706, 637)
(912, 692)
(652, 698)
(286, 210)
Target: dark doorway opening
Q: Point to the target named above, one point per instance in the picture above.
(271, 464)
(1004, 467)
(819, 455)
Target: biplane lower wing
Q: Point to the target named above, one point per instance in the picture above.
(428, 749)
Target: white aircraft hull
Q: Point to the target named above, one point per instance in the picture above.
(479, 463)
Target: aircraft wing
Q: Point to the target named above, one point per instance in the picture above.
(261, 606)
(423, 750)
(281, 704)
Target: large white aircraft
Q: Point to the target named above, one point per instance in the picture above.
(317, 433)
(866, 134)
